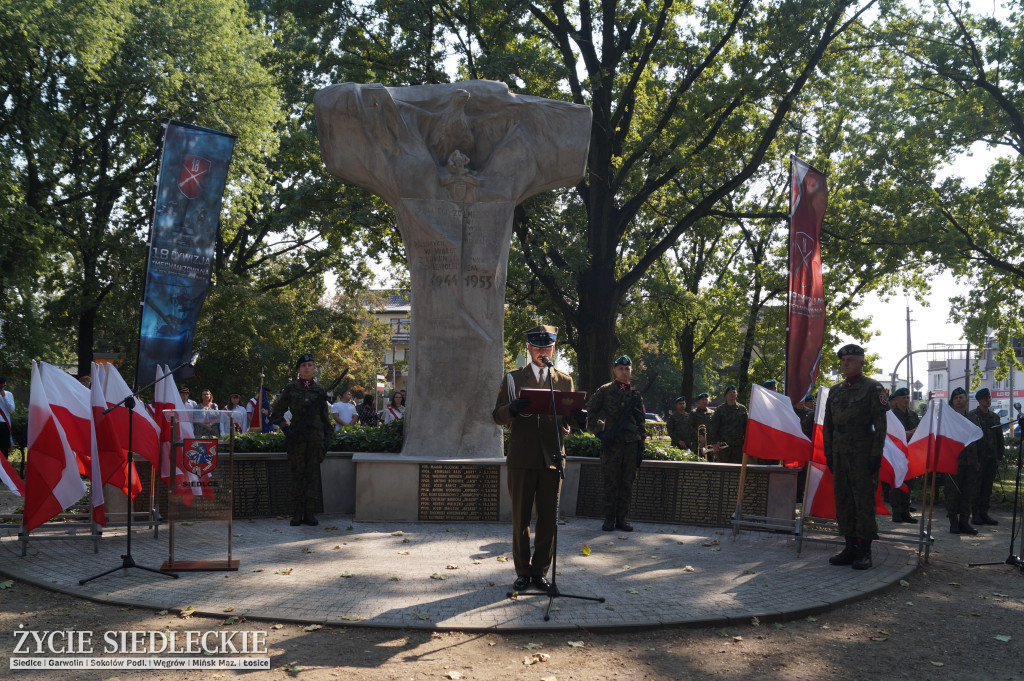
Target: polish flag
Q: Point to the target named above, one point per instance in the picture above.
(160, 403)
(170, 397)
(894, 454)
(10, 477)
(773, 428)
(939, 439)
(101, 453)
(145, 432)
(52, 481)
(819, 423)
(70, 403)
(111, 440)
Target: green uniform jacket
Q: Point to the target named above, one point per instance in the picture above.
(729, 425)
(908, 418)
(678, 428)
(700, 418)
(991, 445)
(607, 403)
(532, 442)
(855, 419)
(311, 415)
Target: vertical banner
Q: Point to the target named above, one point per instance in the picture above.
(805, 322)
(193, 172)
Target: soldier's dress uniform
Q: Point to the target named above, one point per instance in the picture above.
(990, 451)
(533, 480)
(959, 488)
(618, 457)
(854, 436)
(898, 499)
(678, 426)
(306, 439)
(729, 425)
(700, 417)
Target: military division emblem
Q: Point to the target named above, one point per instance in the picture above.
(200, 456)
(193, 175)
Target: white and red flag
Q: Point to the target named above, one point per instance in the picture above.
(70, 403)
(52, 481)
(894, 455)
(169, 398)
(145, 432)
(939, 439)
(10, 477)
(773, 428)
(111, 438)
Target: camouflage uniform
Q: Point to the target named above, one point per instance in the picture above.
(854, 451)
(308, 436)
(619, 457)
(678, 428)
(699, 417)
(806, 417)
(990, 450)
(729, 425)
(898, 499)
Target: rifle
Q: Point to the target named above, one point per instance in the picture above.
(607, 437)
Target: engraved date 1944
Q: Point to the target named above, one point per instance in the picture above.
(481, 281)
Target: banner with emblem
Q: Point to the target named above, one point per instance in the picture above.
(198, 457)
(805, 323)
(179, 265)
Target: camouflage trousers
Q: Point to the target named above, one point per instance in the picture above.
(618, 471)
(983, 488)
(304, 457)
(960, 490)
(854, 485)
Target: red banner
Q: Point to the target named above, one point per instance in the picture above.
(805, 323)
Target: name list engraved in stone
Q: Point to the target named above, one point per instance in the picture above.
(458, 492)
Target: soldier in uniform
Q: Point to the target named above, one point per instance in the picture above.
(533, 480)
(307, 436)
(960, 487)
(854, 435)
(679, 425)
(700, 416)
(805, 412)
(728, 428)
(990, 450)
(898, 499)
(616, 415)
(771, 384)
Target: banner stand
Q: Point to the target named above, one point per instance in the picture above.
(213, 506)
(756, 522)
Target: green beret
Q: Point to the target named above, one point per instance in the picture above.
(304, 358)
(770, 383)
(703, 396)
(729, 387)
(624, 361)
(679, 399)
(982, 394)
(850, 349)
(900, 392)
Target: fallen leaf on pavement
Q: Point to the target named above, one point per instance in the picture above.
(586, 550)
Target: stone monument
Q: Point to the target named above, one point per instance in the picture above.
(453, 160)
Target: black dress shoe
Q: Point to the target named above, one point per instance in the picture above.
(541, 582)
(522, 583)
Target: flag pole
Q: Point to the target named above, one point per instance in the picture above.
(930, 466)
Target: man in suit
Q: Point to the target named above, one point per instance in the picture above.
(533, 480)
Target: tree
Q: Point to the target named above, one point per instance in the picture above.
(87, 86)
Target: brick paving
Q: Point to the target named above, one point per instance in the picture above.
(456, 576)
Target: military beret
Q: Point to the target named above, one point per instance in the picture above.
(542, 336)
(957, 391)
(850, 349)
(679, 399)
(809, 398)
(770, 383)
(624, 361)
(981, 394)
(900, 392)
(729, 387)
(703, 396)
(304, 358)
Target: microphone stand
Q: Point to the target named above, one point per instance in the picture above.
(127, 561)
(553, 591)
(1013, 559)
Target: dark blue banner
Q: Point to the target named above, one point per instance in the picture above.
(193, 172)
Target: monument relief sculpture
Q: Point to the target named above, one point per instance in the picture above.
(453, 160)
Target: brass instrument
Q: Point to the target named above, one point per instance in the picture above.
(706, 449)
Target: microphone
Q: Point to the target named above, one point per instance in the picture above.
(546, 361)
(195, 358)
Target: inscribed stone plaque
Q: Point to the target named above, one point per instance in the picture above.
(458, 492)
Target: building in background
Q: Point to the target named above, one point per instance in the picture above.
(949, 367)
(395, 311)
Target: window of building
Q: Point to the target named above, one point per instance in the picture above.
(938, 381)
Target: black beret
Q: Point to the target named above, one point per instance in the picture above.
(850, 349)
(982, 394)
(304, 358)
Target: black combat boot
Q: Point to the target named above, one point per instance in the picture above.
(954, 524)
(609, 523)
(863, 559)
(623, 524)
(847, 555)
(297, 518)
(986, 519)
(308, 517)
(966, 527)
